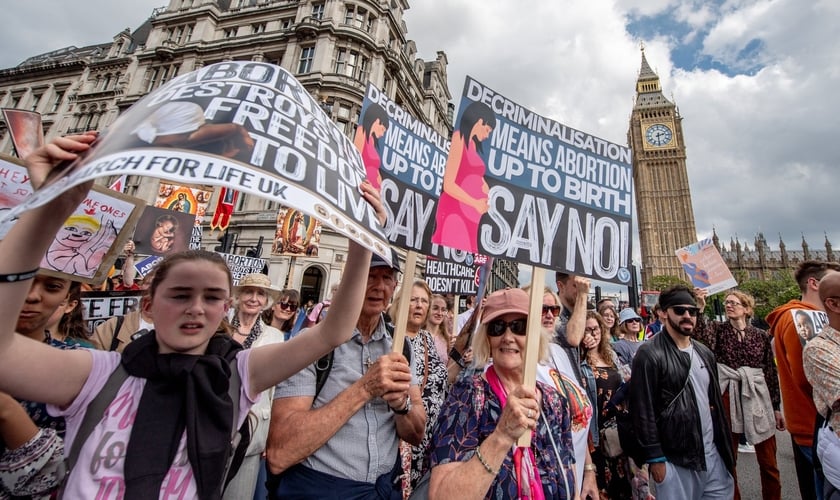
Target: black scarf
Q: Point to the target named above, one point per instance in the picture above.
(181, 391)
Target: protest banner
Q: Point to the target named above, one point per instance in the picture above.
(99, 306)
(162, 232)
(90, 241)
(25, 129)
(296, 234)
(526, 188)
(246, 125)
(451, 277)
(87, 245)
(147, 265)
(187, 199)
(705, 267)
(241, 265)
(404, 158)
(14, 188)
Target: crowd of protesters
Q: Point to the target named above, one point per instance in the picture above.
(210, 390)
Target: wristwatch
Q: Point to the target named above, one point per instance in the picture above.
(405, 409)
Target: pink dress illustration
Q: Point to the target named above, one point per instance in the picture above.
(457, 223)
(372, 161)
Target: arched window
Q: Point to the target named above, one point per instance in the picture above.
(311, 285)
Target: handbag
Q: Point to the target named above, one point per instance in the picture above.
(610, 440)
(827, 446)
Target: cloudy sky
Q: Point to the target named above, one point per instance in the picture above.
(755, 81)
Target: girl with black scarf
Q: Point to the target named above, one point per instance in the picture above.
(167, 432)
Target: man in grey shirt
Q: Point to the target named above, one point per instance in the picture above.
(343, 442)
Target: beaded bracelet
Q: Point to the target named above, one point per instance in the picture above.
(484, 463)
(14, 278)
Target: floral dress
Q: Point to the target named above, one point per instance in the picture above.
(469, 416)
(613, 473)
(431, 372)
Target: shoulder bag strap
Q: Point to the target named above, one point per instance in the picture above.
(93, 415)
(687, 378)
(115, 342)
(234, 389)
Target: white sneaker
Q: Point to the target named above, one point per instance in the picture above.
(746, 448)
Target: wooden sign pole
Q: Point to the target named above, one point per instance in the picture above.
(400, 322)
(532, 346)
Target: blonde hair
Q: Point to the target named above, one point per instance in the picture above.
(481, 345)
(83, 220)
(745, 299)
(546, 291)
(394, 310)
(444, 329)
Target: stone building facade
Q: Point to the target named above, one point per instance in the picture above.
(334, 47)
(763, 263)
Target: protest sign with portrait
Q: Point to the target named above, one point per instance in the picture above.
(297, 234)
(246, 125)
(524, 187)
(162, 232)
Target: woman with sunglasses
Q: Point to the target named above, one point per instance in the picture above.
(283, 315)
(473, 451)
(629, 329)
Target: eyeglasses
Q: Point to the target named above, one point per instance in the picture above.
(592, 331)
(732, 303)
(288, 306)
(555, 310)
(497, 327)
(681, 310)
(633, 320)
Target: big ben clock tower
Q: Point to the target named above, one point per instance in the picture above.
(663, 198)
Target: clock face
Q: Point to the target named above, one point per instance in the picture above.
(658, 135)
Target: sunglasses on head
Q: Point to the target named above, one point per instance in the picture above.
(497, 327)
(680, 310)
(289, 306)
(555, 310)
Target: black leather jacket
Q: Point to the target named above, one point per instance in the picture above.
(669, 430)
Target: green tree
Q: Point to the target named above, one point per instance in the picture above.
(768, 294)
(660, 283)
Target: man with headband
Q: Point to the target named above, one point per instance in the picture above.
(677, 408)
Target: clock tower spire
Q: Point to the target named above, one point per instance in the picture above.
(663, 198)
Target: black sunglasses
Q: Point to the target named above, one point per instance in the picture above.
(289, 306)
(497, 327)
(555, 310)
(680, 310)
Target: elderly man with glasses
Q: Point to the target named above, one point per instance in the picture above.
(677, 408)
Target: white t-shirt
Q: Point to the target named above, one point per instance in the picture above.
(462, 319)
(99, 471)
(558, 360)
